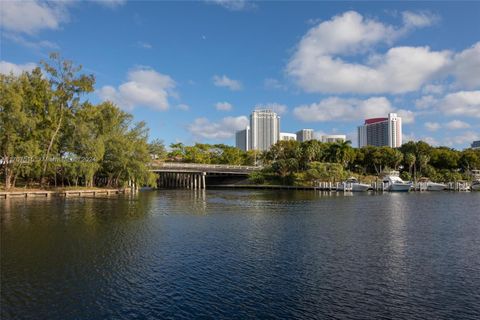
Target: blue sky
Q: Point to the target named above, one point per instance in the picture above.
(195, 70)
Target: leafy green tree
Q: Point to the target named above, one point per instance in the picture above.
(67, 87)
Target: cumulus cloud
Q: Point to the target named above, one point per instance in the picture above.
(432, 126)
(276, 107)
(340, 109)
(223, 129)
(33, 16)
(466, 67)
(224, 81)
(8, 67)
(462, 103)
(319, 63)
(456, 124)
(223, 106)
(145, 87)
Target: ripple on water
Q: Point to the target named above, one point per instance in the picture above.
(242, 254)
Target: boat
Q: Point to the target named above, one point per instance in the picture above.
(427, 184)
(354, 185)
(392, 182)
(475, 185)
(475, 180)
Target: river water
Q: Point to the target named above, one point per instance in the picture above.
(224, 254)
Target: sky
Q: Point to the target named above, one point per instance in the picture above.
(194, 71)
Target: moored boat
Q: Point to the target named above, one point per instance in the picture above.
(475, 180)
(393, 182)
(427, 184)
(354, 185)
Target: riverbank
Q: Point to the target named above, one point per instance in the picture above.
(61, 192)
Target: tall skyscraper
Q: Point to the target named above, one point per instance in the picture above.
(304, 135)
(381, 132)
(265, 129)
(242, 139)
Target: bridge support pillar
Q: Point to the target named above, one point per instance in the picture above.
(204, 186)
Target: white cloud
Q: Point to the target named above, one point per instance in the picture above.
(223, 106)
(319, 65)
(183, 107)
(462, 103)
(145, 87)
(32, 16)
(223, 129)
(466, 67)
(34, 44)
(456, 124)
(339, 109)
(418, 19)
(233, 5)
(433, 89)
(224, 81)
(425, 102)
(432, 126)
(406, 115)
(271, 83)
(276, 107)
(8, 67)
(465, 138)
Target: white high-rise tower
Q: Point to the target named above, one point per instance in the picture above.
(381, 132)
(265, 129)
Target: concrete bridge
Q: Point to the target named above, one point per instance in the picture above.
(198, 176)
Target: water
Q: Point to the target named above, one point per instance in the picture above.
(242, 254)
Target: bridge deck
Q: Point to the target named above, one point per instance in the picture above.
(208, 168)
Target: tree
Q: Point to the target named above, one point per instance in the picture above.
(67, 87)
(156, 148)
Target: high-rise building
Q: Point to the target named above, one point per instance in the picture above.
(242, 139)
(476, 144)
(265, 129)
(381, 132)
(334, 138)
(304, 135)
(286, 136)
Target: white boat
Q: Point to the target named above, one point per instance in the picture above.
(475, 185)
(434, 186)
(392, 182)
(426, 184)
(354, 185)
(476, 180)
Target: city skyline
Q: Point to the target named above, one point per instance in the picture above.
(329, 68)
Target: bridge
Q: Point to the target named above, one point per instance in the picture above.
(198, 176)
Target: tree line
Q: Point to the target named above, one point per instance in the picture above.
(293, 162)
(50, 135)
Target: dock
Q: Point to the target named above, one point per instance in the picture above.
(62, 193)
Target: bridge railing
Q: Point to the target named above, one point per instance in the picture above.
(175, 165)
